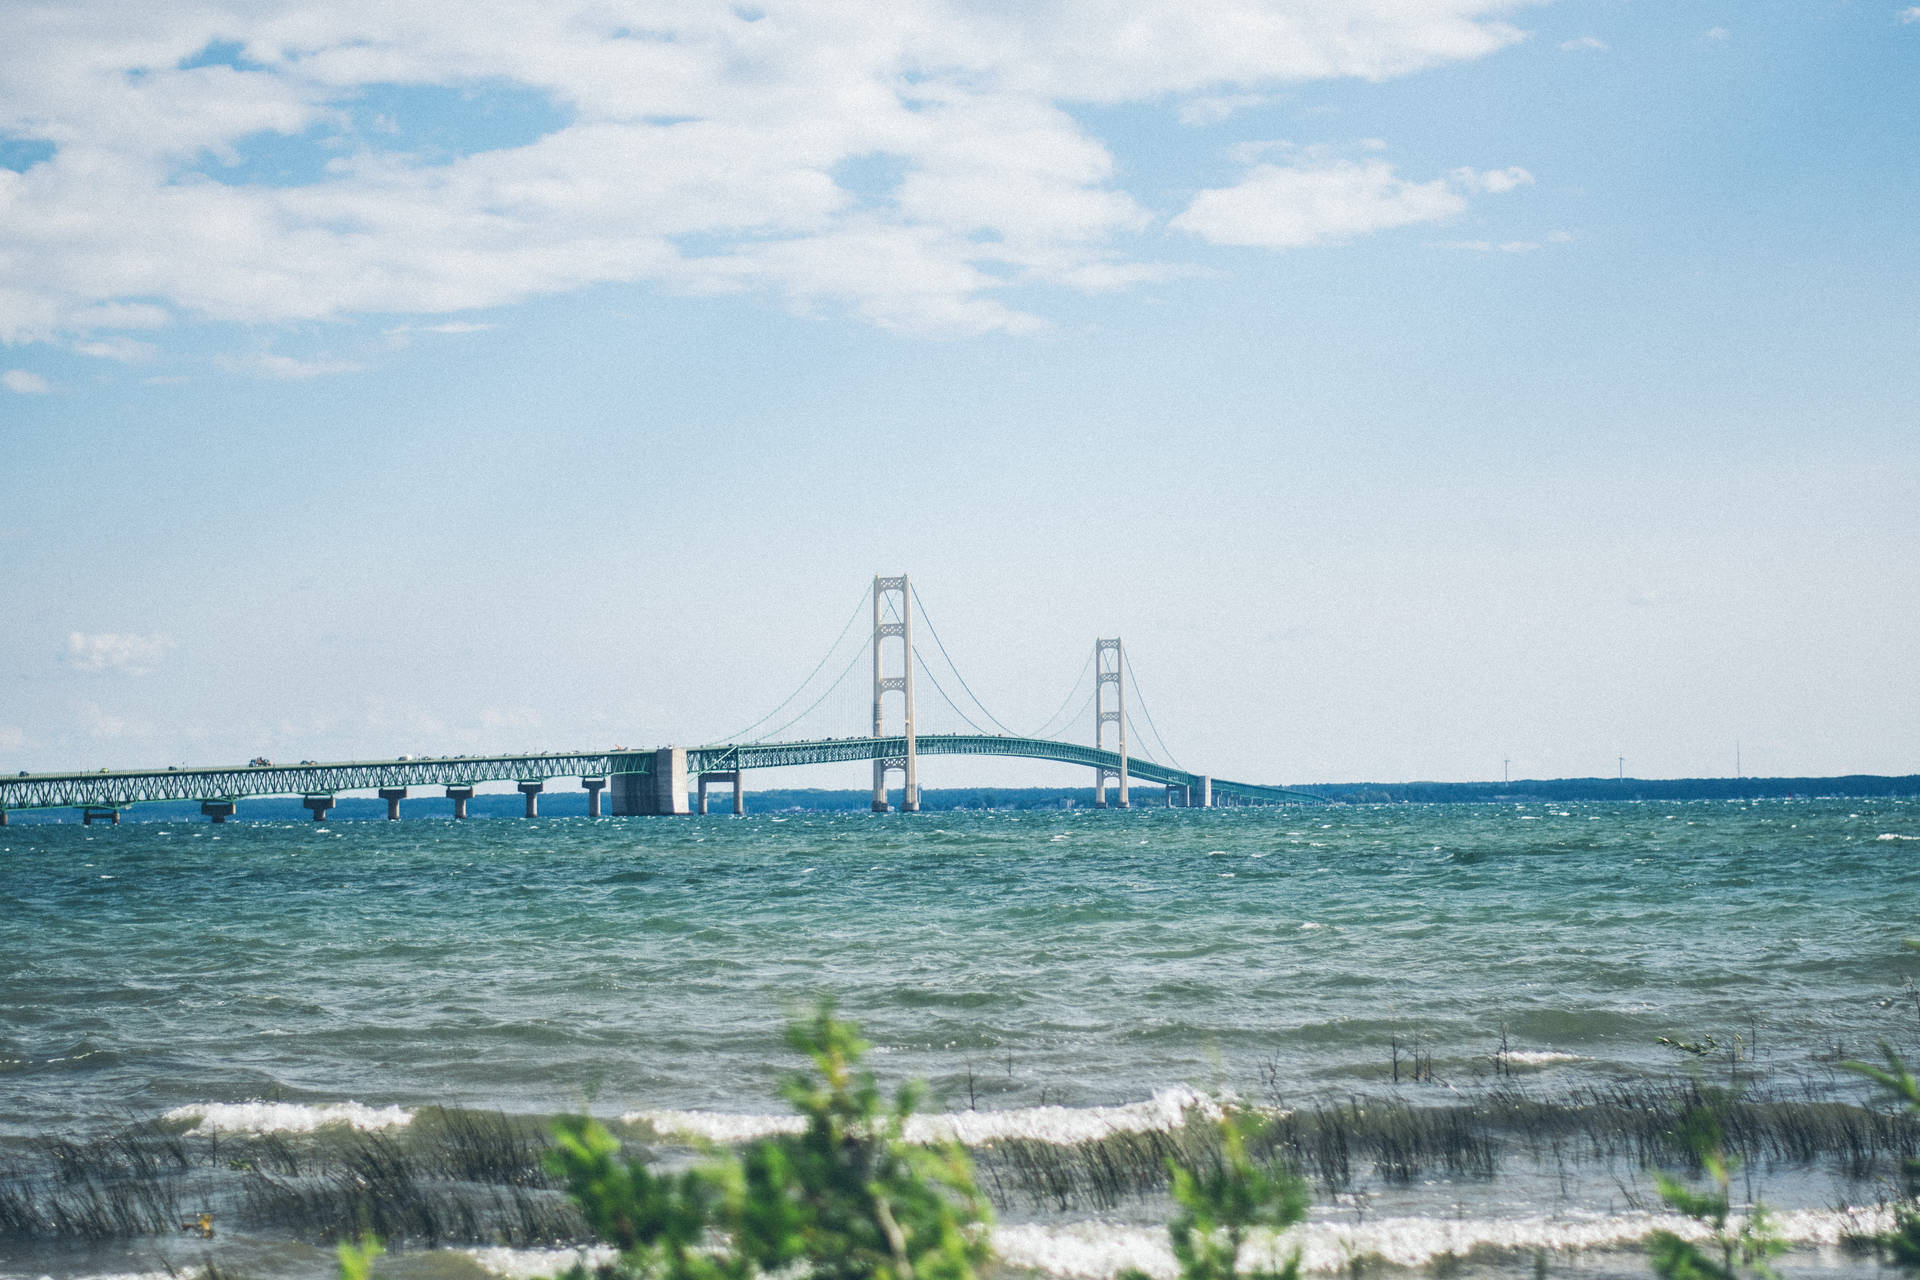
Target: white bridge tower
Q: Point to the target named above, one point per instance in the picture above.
(1107, 666)
(883, 684)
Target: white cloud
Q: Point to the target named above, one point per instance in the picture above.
(1213, 108)
(1584, 44)
(1281, 207)
(1492, 246)
(106, 726)
(1719, 33)
(135, 655)
(268, 365)
(700, 154)
(125, 350)
(1910, 15)
(452, 326)
(1493, 181)
(24, 383)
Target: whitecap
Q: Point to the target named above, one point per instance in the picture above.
(525, 1264)
(288, 1117)
(1891, 835)
(1097, 1251)
(1167, 1109)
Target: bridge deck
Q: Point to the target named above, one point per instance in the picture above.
(111, 788)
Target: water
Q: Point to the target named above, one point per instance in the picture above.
(1016, 961)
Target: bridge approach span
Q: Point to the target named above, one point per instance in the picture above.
(116, 789)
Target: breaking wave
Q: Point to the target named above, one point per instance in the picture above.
(1102, 1250)
(1167, 1109)
(287, 1117)
(1098, 1251)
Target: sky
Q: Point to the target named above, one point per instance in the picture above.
(1421, 388)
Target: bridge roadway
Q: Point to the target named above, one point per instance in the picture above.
(116, 789)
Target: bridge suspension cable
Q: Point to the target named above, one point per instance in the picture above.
(1141, 699)
(945, 697)
(1055, 723)
(741, 736)
(838, 680)
(954, 667)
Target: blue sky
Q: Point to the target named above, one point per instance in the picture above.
(1415, 384)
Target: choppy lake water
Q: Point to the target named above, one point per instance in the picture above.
(281, 976)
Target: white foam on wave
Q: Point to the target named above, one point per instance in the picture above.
(1099, 1250)
(1539, 1057)
(1894, 835)
(288, 1117)
(526, 1264)
(1166, 1109)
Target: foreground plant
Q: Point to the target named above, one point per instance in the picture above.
(658, 1223)
(1222, 1203)
(847, 1198)
(1901, 1245)
(1742, 1248)
(356, 1260)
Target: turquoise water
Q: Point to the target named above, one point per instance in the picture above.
(267, 977)
(1078, 957)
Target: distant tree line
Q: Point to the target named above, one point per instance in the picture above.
(1858, 785)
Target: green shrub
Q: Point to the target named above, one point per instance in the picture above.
(356, 1260)
(1224, 1200)
(848, 1197)
(1901, 1245)
(658, 1223)
(1747, 1246)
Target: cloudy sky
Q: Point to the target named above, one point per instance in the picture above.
(1415, 384)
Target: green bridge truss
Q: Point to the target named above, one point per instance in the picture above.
(117, 789)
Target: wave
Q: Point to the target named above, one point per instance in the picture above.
(1538, 1057)
(535, 1264)
(1098, 1251)
(1102, 1250)
(1893, 835)
(1167, 1109)
(287, 1117)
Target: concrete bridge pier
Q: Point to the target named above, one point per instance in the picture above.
(532, 790)
(218, 810)
(594, 787)
(661, 790)
(319, 805)
(733, 776)
(1201, 796)
(90, 814)
(459, 796)
(393, 796)
(3, 817)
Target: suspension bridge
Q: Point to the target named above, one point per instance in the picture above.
(676, 780)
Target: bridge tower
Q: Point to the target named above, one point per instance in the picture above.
(1107, 665)
(883, 684)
